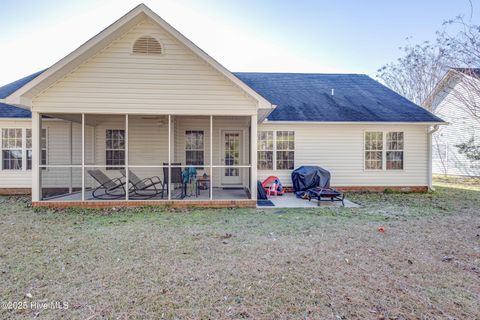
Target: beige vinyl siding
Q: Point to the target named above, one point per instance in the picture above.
(117, 81)
(462, 126)
(340, 149)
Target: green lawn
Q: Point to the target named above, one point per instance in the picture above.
(246, 263)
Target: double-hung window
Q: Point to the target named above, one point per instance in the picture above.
(394, 151)
(12, 149)
(194, 147)
(115, 148)
(276, 150)
(43, 148)
(285, 150)
(265, 150)
(374, 150)
(384, 150)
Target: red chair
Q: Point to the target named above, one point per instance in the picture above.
(271, 187)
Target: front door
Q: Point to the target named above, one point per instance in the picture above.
(231, 155)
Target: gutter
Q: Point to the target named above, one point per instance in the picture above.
(430, 156)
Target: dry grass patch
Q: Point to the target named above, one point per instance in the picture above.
(247, 263)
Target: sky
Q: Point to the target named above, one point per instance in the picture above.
(321, 36)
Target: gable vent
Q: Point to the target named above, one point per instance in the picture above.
(147, 45)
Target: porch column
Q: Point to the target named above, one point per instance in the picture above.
(253, 156)
(127, 174)
(210, 189)
(169, 157)
(36, 155)
(83, 156)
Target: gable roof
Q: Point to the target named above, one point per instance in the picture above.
(9, 111)
(10, 88)
(356, 98)
(86, 50)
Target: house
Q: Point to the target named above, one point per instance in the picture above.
(456, 100)
(141, 100)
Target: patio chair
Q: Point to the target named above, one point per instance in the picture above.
(112, 188)
(143, 188)
(176, 179)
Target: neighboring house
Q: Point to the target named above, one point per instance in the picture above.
(139, 95)
(456, 99)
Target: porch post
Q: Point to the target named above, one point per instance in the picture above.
(253, 156)
(70, 170)
(210, 189)
(169, 157)
(83, 156)
(127, 178)
(36, 155)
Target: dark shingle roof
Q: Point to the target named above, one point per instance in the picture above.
(304, 97)
(10, 88)
(9, 111)
(308, 97)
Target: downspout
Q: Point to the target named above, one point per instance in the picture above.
(430, 169)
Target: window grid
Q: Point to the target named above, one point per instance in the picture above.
(285, 150)
(394, 155)
(12, 149)
(194, 147)
(374, 150)
(115, 148)
(265, 150)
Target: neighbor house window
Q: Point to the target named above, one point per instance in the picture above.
(43, 148)
(394, 155)
(285, 150)
(374, 150)
(115, 148)
(384, 147)
(12, 149)
(265, 150)
(194, 153)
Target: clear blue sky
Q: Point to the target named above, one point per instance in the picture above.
(347, 36)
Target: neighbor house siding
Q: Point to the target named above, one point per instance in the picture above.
(340, 149)
(462, 126)
(117, 81)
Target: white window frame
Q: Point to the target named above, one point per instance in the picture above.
(384, 151)
(275, 150)
(22, 149)
(110, 166)
(272, 150)
(398, 150)
(203, 149)
(41, 149)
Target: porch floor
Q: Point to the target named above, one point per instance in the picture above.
(218, 194)
(289, 200)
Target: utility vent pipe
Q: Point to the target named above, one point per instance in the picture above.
(333, 92)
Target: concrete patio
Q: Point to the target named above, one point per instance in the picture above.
(289, 200)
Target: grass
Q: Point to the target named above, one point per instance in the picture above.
(249, 263)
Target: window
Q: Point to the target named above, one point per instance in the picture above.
(285, 150)
(147, 45)
(12, 149)
(276, 150)
(395, 151)
(115, 149)
(383, 148)
(265, 150)
(194, 147)
(43, 148)
(374, 150)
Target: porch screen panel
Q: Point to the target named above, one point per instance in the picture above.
(265, 150)
(285, 150)
(43, 148)
(12, 149)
